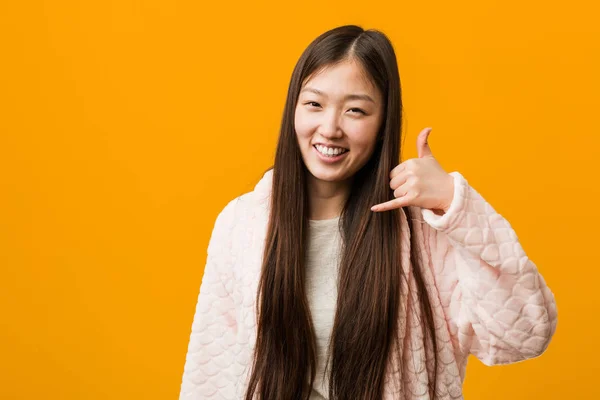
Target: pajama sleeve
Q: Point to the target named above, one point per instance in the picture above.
(497, 304)
(210, 355)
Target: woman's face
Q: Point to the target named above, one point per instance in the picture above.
(339, 111)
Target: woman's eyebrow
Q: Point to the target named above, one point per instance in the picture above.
(348, 97)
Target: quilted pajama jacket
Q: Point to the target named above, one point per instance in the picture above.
(488, 297)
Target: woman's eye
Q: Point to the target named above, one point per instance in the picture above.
(358, 110)
(312, 103)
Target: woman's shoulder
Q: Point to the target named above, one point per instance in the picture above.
(250, 206)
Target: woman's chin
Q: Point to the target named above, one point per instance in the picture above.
(327, 174)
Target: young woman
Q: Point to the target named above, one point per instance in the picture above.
(310, 292)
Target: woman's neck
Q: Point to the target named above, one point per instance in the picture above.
(326, 199)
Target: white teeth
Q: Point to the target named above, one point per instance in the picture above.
(329, 151)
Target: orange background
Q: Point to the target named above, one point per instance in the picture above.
(126, 126)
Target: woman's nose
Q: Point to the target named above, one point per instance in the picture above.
(330, 126)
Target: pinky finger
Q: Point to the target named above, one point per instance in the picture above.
(390, 205)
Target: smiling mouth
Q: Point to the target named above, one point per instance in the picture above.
(332, 155)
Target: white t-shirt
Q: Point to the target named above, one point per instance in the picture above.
(322, 260)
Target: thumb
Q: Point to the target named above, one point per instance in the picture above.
(422, 146)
